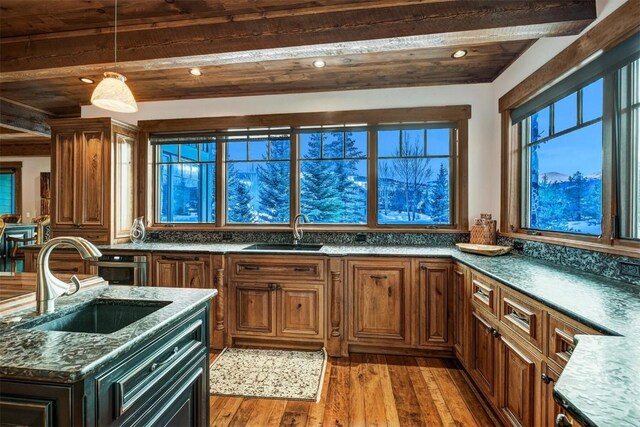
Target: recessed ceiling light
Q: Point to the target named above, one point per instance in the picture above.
(86, 80)
(195, 72)
(459, 54)
(319, 63)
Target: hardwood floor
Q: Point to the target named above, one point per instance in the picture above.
(370, 390)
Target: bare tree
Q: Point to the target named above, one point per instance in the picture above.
(413, 171)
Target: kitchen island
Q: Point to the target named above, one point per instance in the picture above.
(144, 361)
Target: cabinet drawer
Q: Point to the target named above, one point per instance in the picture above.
(522, 317)
(484, 293)
(270, 268)
(561, 340)
(136, 380)
(97, 237)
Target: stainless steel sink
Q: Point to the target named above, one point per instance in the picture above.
(100, 316)
(285, 247)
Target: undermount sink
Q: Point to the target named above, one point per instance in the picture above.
(100, 316)
(285, 247)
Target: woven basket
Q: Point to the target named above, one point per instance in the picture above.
(484, 234)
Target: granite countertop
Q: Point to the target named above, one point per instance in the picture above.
(68, 356)
(602, 379)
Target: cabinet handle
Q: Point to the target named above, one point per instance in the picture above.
(274, 286)
(563, 421)
(302, 269)
(546, 379)
(495, 332)
(378, 276)
(173, 354)
(519, 317)
(177, 258)
(251, 267)
(481, 293)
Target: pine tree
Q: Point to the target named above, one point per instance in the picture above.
(239, 198)
(575, 193)
(440, 198)
(274, 184)
(351, 197)
(319, 199)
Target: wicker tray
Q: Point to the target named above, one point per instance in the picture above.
(489, 250)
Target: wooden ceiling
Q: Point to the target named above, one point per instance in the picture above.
(252, 47)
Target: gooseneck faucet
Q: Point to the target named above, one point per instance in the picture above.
(49, 287)
(297, 231)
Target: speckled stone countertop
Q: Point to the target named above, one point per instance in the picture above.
(602, 379)
(68, 356)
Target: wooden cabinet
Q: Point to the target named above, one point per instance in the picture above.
(300, 310)
(93, 179)
(518, 373)
(181, 271)
(380, 300)
(460, 311)
(254, 305)
(434, 305)
(483, 354)
(61, 261)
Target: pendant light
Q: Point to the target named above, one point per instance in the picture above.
(112, 93)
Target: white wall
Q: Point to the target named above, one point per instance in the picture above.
(31, 168)
(484, 126)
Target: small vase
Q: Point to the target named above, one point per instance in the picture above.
(138, 233)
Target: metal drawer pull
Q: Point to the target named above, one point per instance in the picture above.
(563, 421)
(520, 317)
(547, 379)
(494, 332)
(302, 269)
(175, 258)
(274, 287)
(251, 267)
(570, 350)
(378, 276)
(173, 354)
(481, 293)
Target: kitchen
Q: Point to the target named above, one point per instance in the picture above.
(285, 180)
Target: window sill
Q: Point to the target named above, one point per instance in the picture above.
(617, 247)
(306, 227)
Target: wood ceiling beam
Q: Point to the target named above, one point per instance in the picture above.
(25, 148)
(23, 118)
(53, 56)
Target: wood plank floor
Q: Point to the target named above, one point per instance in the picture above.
(369, 390)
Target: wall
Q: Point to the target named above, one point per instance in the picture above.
(31, 168)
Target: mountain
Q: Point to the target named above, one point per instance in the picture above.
(553, 177)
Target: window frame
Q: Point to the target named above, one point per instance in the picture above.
(16, 169)
(612, 31)
(457, 115)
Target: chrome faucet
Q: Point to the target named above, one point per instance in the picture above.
(49, 287)
(297, 231)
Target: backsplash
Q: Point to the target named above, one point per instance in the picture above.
(593, 262)
(600, 263)
(334, 238)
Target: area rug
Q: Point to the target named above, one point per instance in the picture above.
(269, 374)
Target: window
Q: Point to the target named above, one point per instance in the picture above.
(414, 167)
(572, 155)
(258, 177)
(333, 176)
(357, 174)
(562, 154)
(186, 177)
(10, 188)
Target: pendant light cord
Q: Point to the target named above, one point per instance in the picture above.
(115, 39)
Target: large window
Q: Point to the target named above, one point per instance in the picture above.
(258, 177)
(572, 156)
(414, 165)
(562, 155)
(10, 187)
(333, 176)
(370, 171)
(186, 176)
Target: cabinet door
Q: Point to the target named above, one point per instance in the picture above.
(550, 407)
(254, 305)
(433, 304)
(380, 301)
(459, 280)
(517, 373)
(301, 311)
(483, 355)
(65, 179)
(35, 404)
(195, 273)
(93, 178)
(165, 272)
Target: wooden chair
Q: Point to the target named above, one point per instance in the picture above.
(11, 218)
(38, 238)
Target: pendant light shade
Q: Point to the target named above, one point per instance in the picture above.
(113, 94)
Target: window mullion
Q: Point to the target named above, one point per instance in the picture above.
(609, 155)
(372, 178)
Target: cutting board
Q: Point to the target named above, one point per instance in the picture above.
(488, 250)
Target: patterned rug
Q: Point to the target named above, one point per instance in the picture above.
(269, 374)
